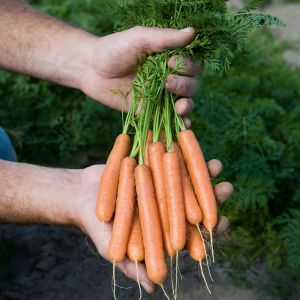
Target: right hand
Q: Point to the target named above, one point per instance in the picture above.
(111, 63)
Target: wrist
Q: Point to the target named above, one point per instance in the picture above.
(73, 59)
(85, 195)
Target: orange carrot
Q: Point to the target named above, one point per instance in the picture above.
(198, 171)
(124, 211)
(135, 247)
(156, 152)
(192, 208)
(151, 230)
(148, 142)
(173, 188)
(199, 174)
(109, 181)
(194, 243)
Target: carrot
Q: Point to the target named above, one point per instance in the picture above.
(124, 211)
(198, 171)
(192, 208)
(156, 152)
(148, 142)
(194, 243)
(109, 181)
(135, 247)
(151, 230)
(196, 248)
(173, 188)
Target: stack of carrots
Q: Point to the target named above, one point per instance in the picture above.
(157, 190)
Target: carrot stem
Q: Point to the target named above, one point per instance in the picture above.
(167, 121)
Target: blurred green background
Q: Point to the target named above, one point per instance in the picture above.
(249, 119)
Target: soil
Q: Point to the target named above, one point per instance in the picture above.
(59, 263)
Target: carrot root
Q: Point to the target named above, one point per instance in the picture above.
(212, 246)
(203, 276)
(164, 291)
(138, 280)
(176, 275)
(206, 258)
(172, 279)
(114, 281)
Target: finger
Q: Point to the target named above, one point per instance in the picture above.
(215, 167)
(129, 269)
(184, 106)
(154, 39)
(222, 226)
(187, 122)
(223, 191)
(190, 68)
(182, 85)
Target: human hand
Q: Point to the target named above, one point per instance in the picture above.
(113, 60)
(85, 217)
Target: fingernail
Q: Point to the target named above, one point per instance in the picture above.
(148, 287)
(188, 29)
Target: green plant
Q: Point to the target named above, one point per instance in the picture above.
(253, 119)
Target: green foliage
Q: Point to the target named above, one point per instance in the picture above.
(251, 119)
(220, 34)
(53, 125)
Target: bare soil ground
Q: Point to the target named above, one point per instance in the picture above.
(53, 263)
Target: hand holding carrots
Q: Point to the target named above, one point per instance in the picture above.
(101, 233)
(113, 60)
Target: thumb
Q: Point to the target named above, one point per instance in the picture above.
(154, 39)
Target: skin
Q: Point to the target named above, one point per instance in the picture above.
(38, 45)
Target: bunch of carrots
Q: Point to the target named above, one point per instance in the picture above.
(156, 188)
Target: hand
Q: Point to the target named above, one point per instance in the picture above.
(100, 233)
(113, 60)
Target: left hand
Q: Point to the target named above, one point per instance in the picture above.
(85, 217)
